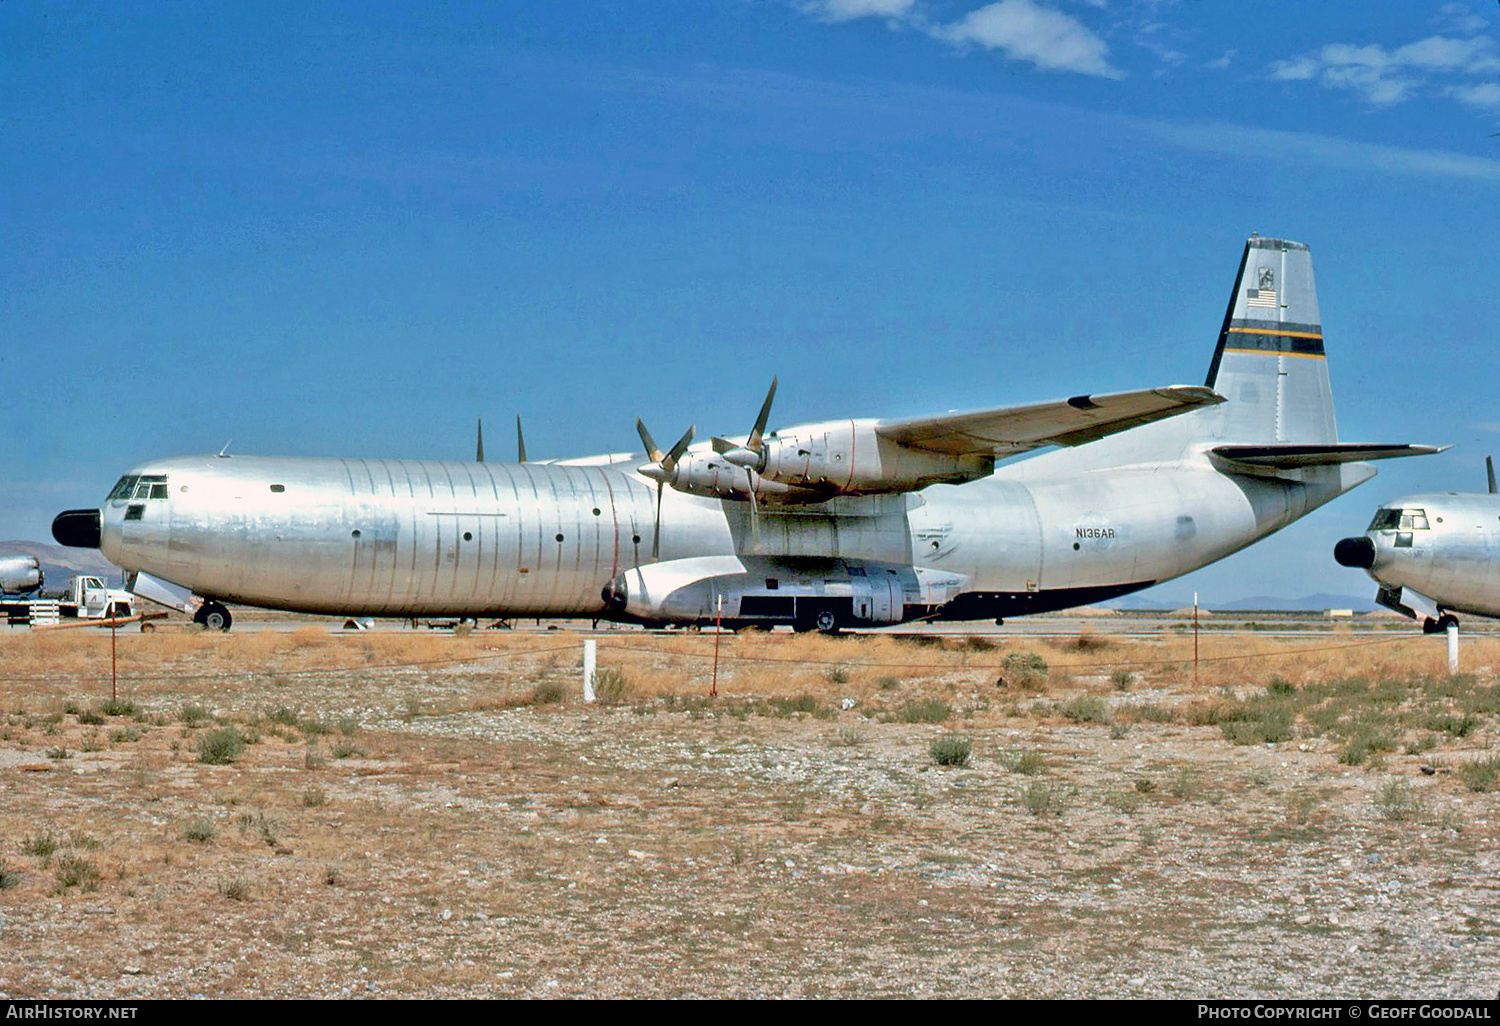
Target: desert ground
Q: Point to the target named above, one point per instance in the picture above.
(308, 812)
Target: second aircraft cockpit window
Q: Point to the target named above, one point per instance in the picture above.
(140, 486)
(1399, 520)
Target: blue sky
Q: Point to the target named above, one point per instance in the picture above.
(354, 228)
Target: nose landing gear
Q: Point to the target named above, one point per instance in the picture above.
(1440, 625)
(214, 616)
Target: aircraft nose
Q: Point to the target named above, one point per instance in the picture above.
(1356, 552)
(77, 528)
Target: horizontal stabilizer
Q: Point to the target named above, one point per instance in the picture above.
(1007, 430)
(1295, 457)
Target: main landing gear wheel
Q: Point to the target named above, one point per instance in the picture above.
(827, 622)
(213, 616)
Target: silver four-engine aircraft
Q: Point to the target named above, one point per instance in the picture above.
(820, 526)
(1433, 555)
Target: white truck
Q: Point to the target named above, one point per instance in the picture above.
(85, 598)
(89, 598)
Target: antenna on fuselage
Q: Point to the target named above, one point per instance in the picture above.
(1489, 469)
(479, 446)
(224, 452)
(520, 442)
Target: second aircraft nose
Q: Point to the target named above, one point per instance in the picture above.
(78, 528)
(1356, 552)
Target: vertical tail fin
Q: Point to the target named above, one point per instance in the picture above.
(1269, 362)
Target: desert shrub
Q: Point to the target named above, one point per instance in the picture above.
(1045, 798)
(1086, 709)
(611, 686)
(220, 747)
(42, 845)
(950, 750)
(91, 718)
(1027, 762)
(73, 871)
(119, 707)
(803, 703)
(1397, 801)
(193, 715)
(926, 710)
(1122, 679)
(549, 692)
(199, 829)
(1481, 774)
(1023, 669)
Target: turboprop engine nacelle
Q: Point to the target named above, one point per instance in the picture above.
(19, 574)
(806, 593)
(848, 457)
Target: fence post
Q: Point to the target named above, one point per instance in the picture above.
(590, 657)
(1453, 648)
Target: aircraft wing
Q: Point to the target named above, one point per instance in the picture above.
(1011, 429)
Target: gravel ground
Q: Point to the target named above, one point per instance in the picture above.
(436, 836)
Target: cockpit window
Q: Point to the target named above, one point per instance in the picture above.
(151, 486)
(125, 487)
(1408, 519)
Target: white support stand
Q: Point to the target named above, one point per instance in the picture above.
(590, 658)
(1453, 648)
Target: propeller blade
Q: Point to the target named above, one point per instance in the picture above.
(754, 512)
(1489, 466)
(755, 443)
(722, 445)
(479, 447)
(669, 462)
(520, 442)
(656, 531)
(652, 452)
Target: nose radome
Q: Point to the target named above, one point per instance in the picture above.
(1355, 552)
(77, 528)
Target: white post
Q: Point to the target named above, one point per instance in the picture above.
(1453, 648)
(590, 657)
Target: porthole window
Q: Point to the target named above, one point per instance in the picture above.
(559, 537)
(278, 488)
(354, 533)
(596, 511)
(468, 536)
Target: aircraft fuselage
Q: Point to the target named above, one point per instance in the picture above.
(415, 538)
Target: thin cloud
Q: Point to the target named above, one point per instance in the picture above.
(1022, 30)
(1323, 150)
(1384, 77)
(849, 10)
(1026, 31)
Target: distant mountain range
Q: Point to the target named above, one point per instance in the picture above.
(1317, 602)
(60, 563)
